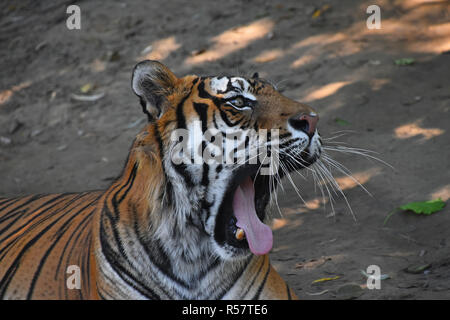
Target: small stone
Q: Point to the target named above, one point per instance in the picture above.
(198, 52)
(40, 45)
(5, 140)
(147, 49)
(35, 133)
(53, 95)
(417, 268)
(349, 291)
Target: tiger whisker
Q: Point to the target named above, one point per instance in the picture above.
(336, 185)
(341, 168)
(341, 147)
(324, 181)
(358, 152)
(286, 171)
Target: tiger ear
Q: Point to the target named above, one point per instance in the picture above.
(152, 82)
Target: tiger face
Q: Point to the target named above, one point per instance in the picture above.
(225, 144)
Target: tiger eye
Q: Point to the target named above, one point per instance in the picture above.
(239, 102)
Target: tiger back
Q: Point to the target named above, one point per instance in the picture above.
(40, 237)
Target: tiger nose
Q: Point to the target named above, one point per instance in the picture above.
(305, 122)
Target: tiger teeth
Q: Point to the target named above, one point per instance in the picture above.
(240, 234)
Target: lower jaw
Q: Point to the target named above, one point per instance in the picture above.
(226, 228)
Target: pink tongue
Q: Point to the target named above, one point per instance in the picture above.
(259, 236)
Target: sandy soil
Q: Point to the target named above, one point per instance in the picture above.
(50, 142)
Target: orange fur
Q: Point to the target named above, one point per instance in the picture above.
(40, 236)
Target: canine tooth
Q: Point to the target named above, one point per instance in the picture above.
(240, 234)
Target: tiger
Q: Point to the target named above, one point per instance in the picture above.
(166, 229)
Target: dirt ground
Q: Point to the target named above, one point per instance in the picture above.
(50, 142)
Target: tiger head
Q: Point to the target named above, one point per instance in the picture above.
(224, 143)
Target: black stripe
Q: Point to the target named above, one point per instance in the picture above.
(4, 200)
(130, 183)
(181, 124)
(9, 275)
(5, 251)
(214, 120)
(284, 135)
(101, 295)
(246, 124)
(194, 82)
(168, 193)
(19, 216)
(286, 144)
(87, 259)
(232, 110)
(32, 199)
(75, 232)
(115, 232)
(169, 189)
(253, 280)
(159, 141)
(229, 123)
(205, 177)
(57, 197)
(181, 170)
(202, 111)
(288, 292)
(114, 261)
(202, 93)
(181, 119)
(114, 200)
(146, 246)
(10, 203)
(163, 262)
(61, 231)
(263, 283)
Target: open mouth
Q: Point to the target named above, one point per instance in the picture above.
(240, 220)
(242, 212)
